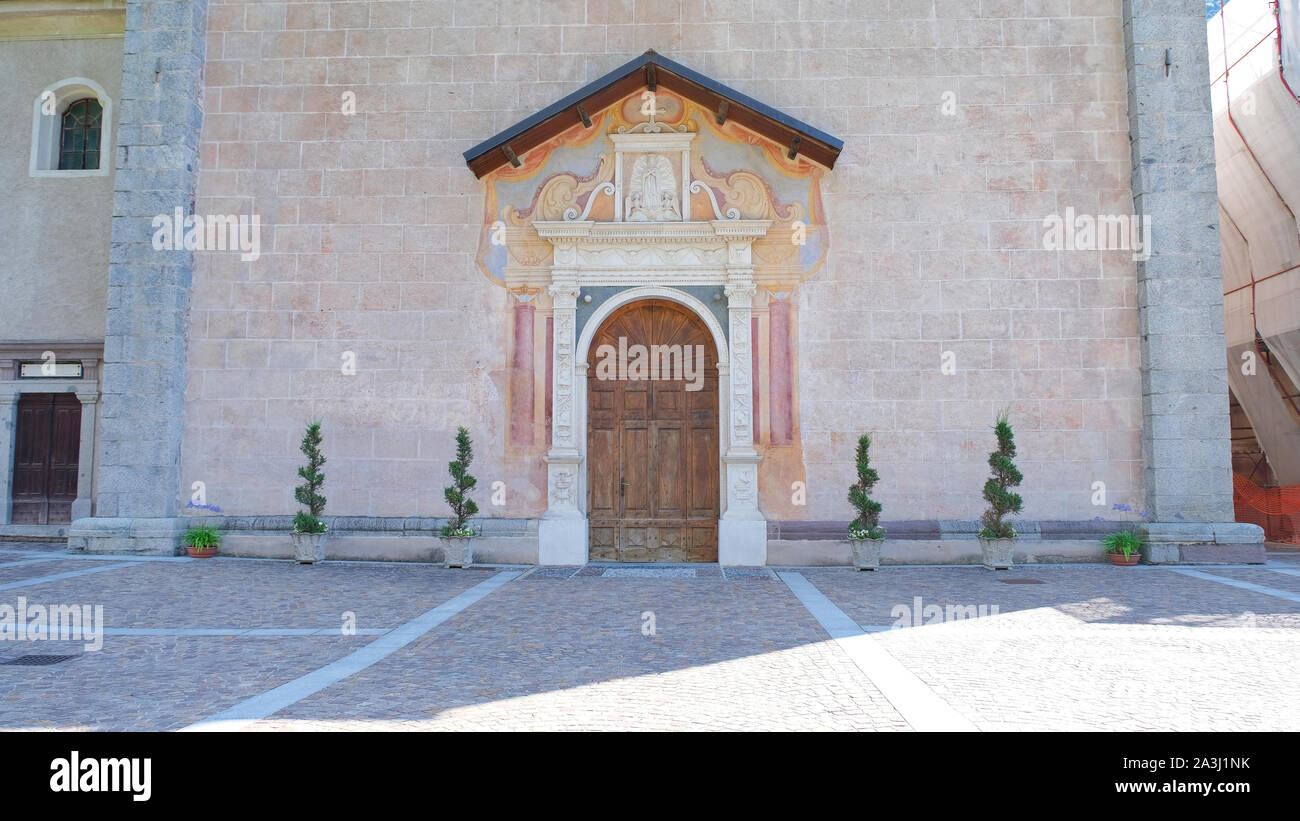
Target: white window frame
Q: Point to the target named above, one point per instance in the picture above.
(47, 129)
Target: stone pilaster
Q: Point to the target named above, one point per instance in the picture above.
(156, 170)
(1185, 431)
(562, 533)
(83, 506)
(742, 531)
(8, 432)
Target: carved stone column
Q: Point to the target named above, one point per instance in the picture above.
(562, 533)
(742, 531)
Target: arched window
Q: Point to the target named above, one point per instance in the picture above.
(79, 143)
(72, 124)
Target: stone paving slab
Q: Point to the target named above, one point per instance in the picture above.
(570, 655)
(249, 593)
(1069, 595)
(154, 683)
(1262, 576)
(23, 572)
(1109, 677)
(1093, 648)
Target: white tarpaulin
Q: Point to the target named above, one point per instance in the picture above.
(1289, 12)
(1257, 143)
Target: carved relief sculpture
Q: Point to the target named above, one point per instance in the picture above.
(653, 187)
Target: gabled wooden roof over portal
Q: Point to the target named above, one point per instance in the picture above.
(652, 70)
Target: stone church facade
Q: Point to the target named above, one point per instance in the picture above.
(899, 218)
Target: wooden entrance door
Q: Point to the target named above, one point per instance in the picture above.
(652, 438)
(46, 451)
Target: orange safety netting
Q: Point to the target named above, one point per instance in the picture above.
(1276, 509)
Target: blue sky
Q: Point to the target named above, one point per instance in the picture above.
(1212, 7)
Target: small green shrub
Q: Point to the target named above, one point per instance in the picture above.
(457, 495)
(201, 537)
(1005, 474)
(1126, 542)
(867, 524)
(308, 493)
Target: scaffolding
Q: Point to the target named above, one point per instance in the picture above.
(1254, 52)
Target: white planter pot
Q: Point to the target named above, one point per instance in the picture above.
(457, 551)
(998, 553)
(309, 548)
(866, 553)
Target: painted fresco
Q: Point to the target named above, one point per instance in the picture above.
(741, 169)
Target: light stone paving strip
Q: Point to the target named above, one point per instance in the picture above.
(60, 555)
(916, 702)
(221, 593)
(259, 707)
(1256, 588)
(1289, 571)
(22, 562)
(1263, 576)
(21, 571)
(71, 574)
(276, 632)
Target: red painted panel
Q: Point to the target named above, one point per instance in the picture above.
(521, 377)
(550, 373)
(780, 365)
(756, 423)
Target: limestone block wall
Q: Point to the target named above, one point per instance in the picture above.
(965, 125)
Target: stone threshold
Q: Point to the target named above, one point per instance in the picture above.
(34, 533)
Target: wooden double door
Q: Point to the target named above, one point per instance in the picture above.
(46, 451)
(652, 440)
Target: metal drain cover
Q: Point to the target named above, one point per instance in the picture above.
(1022, 581)
(37, 661)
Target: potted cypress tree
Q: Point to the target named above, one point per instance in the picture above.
(865, 533)
(998, 537)
(309, 532)
(457, 536)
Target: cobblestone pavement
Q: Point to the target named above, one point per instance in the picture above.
(1085, 647)
(557, 654)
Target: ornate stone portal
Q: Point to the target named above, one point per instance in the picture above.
(658, 195)
(651, 245)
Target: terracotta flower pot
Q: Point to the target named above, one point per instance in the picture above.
(201, 552)
(1118, 559)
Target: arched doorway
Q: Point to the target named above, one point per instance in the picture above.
(652, 436)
